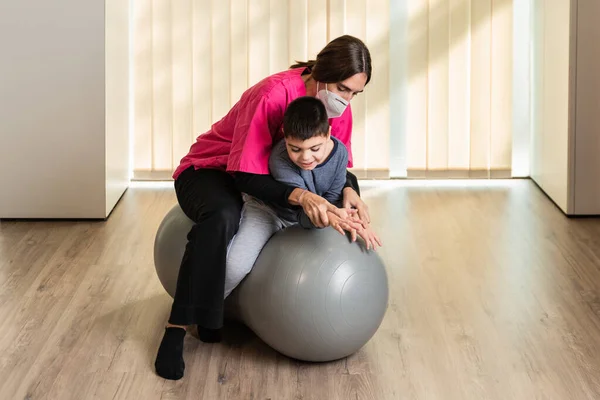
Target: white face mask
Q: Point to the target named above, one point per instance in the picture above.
(334, 104)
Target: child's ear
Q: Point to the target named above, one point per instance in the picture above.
(329, 132)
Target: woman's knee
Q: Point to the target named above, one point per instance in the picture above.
(217, 222)
(228, 214)
(208, 194)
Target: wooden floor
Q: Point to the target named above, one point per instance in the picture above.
(494, 294)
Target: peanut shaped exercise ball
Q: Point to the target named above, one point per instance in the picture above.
(312, 295)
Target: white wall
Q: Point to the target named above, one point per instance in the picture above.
(117, 101)
(587, 116)
(550, 77)
(53, 110)
(566, 103)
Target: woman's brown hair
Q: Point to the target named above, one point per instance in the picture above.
(342, 58)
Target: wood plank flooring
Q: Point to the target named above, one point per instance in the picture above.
(494, 294)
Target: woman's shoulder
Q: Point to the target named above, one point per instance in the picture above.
(288, 82)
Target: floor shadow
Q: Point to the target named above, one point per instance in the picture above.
(137, 328)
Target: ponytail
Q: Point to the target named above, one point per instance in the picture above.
(304, 64)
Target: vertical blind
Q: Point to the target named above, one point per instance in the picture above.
(459, 87)
(194, 58)
(454, 68)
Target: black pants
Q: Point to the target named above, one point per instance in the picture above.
(210, 199)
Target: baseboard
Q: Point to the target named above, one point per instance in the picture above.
(152, 175)
(370, 174)
(168, 175)
(459, 174)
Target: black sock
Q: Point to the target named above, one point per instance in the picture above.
(169, 360)
(209, 335)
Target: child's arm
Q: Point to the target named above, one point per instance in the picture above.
(285, 171)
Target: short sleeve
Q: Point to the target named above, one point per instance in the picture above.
(341, 128)
(257, 123)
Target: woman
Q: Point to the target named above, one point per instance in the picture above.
(232, 157)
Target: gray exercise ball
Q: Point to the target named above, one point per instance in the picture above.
(312, 295)
(169, 246)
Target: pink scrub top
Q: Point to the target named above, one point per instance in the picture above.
(242, 140)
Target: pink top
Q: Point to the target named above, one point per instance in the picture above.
(242, 140)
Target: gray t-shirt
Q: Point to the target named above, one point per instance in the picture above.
(326, 179)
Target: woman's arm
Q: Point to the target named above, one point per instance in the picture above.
(352, 198)
(352, 182)
(265, 188)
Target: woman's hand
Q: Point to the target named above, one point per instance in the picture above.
(319, 211)
(353, 200)
(316, 207)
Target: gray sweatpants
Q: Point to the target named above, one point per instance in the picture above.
(258, 223)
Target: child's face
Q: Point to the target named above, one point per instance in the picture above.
(309, 153)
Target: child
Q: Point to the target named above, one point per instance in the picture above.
(308, 158)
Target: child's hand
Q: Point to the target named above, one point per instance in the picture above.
(336, 222)
(354, 218)
(351, 216)
(371, 239)
(351, 224)
(348, 214)
(355, 226)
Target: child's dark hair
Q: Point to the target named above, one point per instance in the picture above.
(305, 118)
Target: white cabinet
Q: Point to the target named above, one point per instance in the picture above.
(565, 147)
(64, 107)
